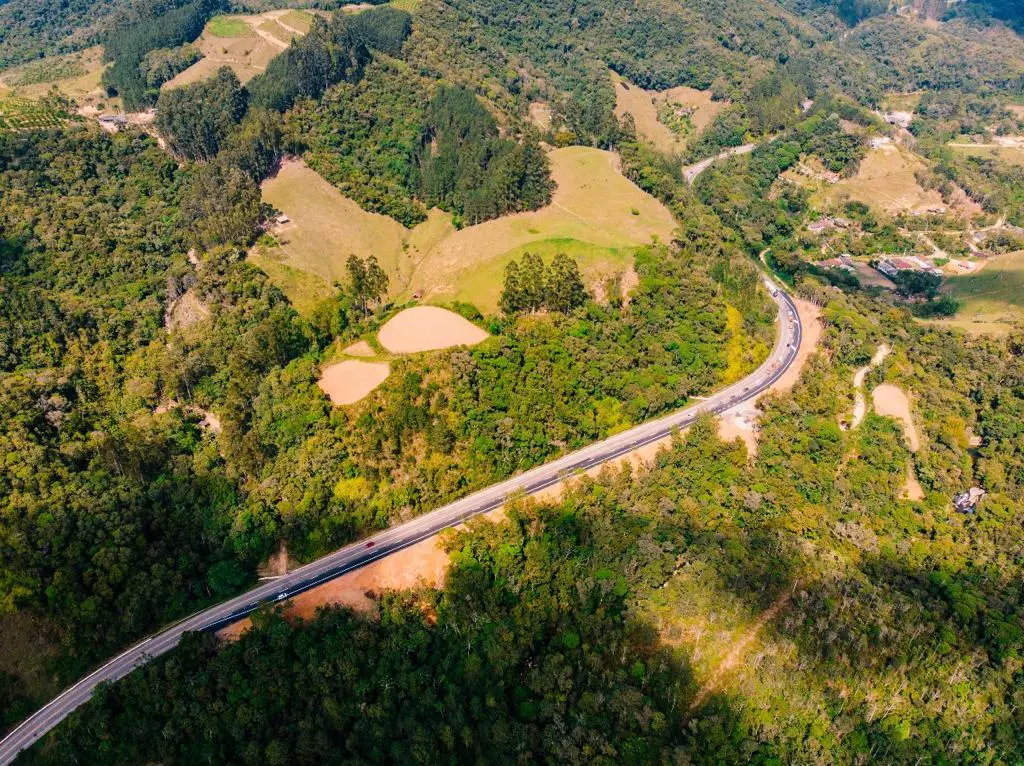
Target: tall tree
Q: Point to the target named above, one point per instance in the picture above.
(511, 301)
(376, 280)
(356, 269)
(565, 290)
(533, 278)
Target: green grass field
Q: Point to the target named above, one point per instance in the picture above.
(228, 26)
(481, 285)
(992, 301)
(300, 20)
(1008, 154)
(597, 217)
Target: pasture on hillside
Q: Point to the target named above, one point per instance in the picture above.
(597, 216)
(885, 181)
(644, 105)
(75, 75)
(1009, 155)
(992, 299)
(244, 43)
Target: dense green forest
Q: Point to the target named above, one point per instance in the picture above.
(137, 34)
(149, 465)
(565, 632)
(121, 510)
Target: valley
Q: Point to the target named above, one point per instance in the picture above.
(632, 384)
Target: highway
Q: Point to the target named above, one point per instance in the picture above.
(788, 337)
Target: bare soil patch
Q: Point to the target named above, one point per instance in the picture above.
(859, 403)
(912, 490)
(185, 311)
(427, 328)
(891, 402)
(740, 424)
(540, 114)
(349, 381)
(250, 42)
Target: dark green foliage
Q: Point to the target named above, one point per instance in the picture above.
(110, 519)
(65, 274)
(583, 609)
(533, 286)
(222, 207)
(464, 165)
(393, 147)
(382, 29)
(366, 281)
(32, 29)
(917, 283)
(256, 145)
(195, 119)
(330, 53)
(149, 29)
(363, 137)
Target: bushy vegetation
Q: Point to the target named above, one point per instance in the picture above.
(591, 624)
(331, 52)
(197, 118)
(162, 64)
(152, 514)
(396, 147)
(465, 166)
(575, 632)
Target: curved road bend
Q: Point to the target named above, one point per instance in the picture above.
(789, 333)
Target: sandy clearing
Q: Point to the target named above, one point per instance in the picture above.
(912, 490)
(740, 424)
(349, 381)
(426, 562)
(859, 403)
(540, 114)
(185, 311)
(427, 328)
(359, 348)
(891, 402)
(247, 54)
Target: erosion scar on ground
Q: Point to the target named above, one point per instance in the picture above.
(736, 652)
(349, 381)
(427, 328)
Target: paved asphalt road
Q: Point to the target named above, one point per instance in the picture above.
(387, 542)
(692, 171)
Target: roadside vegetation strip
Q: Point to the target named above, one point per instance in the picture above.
(785, 352)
